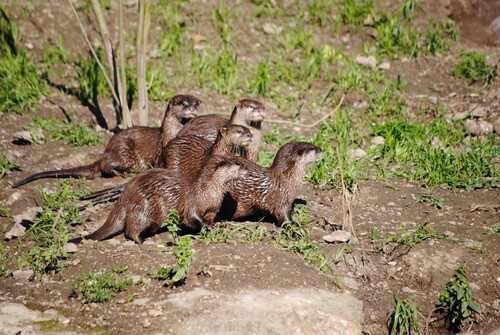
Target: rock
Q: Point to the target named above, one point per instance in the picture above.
(391, 204)
(70, 248)
(296, 311)
(271, 28)
(18, 319)
(460, 115)
(496, 126)
(16, 231)
(141, 302)
(472, 127)
(384, 66)
(485, 127)
(23, 275)
(154, 313)
(339, 236)
(146, 323)
(377, 140)
(479, 112)
(14, 197)
(475, 287)
(369, 61)
(449, 234)
(360, 104)
(358, 153)
(408, 290)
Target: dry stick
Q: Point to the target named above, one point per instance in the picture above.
(142, 32)
(122, 83)
(103, 70)
(346, 203)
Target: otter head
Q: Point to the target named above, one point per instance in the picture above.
(236, 135)
(183, 107)
(294, 157)
(248, 112)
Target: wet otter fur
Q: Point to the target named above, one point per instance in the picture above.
(133, 149)
(147, 200)
(268, 193)
(246, 112)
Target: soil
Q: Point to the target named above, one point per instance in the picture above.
(375, 278)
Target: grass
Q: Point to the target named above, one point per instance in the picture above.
(21, 84)
(404, 318)
(101, 286)
(496, 228)
(6, 165)
(4, 258)
(48, 229)
(184, 255)
(432, 199)
(172, 223)
(76, 134)
(472, 66)
(456, 301)
(407, 238)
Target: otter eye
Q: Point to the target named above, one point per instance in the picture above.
(239, 131)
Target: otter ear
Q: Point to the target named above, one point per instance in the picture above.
(223, 130)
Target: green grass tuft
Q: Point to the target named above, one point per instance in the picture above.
(404, 318)
(76, 134)
(6, 165)
(472, 66)
(101, 286)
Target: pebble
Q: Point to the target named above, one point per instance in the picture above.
(146, 323)
(408, 290)
(339, 236)
(271, 28)
(70, 248)
(485, 127)
(377, 140)
(472, 127)
(17, 230)
(479, 112)
(358, 153)
(23, 274)
(369, 61)
(391, 204)
(460, 115)
(141, 302)
(449, 233)
(154, 313)
(384, 66)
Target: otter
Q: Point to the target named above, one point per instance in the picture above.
(268, 193)
(187, 154)
(246, 112)
(147, 200)
(134, 149)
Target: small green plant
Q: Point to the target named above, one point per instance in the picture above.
(92, 83)
(184, 255)
(409, 8)
(496, 228)
(472, 66)
(456, 301)
(6, 165)
(407, 238)
(219, 234)
(434, 201)
(4, 258)
(259, 83)
(404, 318)
(221, 22)
(101, 286)
(172, 223)
(437, 36)
(225, 71)
(301, 213)
(395, 38)
(320, 11)
(354, 12)
(76, 134)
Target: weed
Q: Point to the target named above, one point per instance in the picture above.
(76, 134)
(409, 8)
(256, 235)
(171, 41)
(354, 12)
(4, 258)
(301, 213)
(477, 249)
(259, 83)
(55, 52)
(496, 228)
(184, 254)
(404, 318)
(226, 71)
(395, 38)
(456, 301)
(320, 11)
(219, 234)
(435, 201)
(101, 286)
(341, 253)
(472, 66)
(294, 237)
(91, 80)
(172, 223)
(6, 165)
(407, 238)
(437, 36)
(221, 22)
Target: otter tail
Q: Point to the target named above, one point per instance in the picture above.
(109, 198)
(114, 225)
(106, 191)
(89, 171)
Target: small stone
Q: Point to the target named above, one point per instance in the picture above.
(17, 230)
(141, 302)
(377, 140)
(368, 21)
(408, 290)
(369, 61)
(360, 104)
(479, 112)
(449, 234)
(475, 287)
(14, 197)
(472, 127)
(460, 115)
(485, 127)
(339, 236)
(452, 94)
(23, 137)
(70, 248)
(271, 28)
(154, 313)
(29, 45)
(384, 66)
(66, 321)
(146, 323)
(392, 263)
(23, 274)
(391, 204)
(358, 153)
(433, 100)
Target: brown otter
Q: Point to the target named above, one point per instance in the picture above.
(135, 148)
(246, 112)
(269, 192)
(187, 154)
(147, 200)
